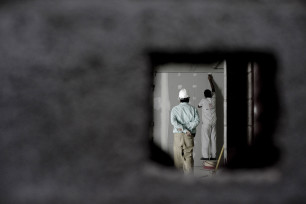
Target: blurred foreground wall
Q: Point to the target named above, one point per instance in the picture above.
(75, 98)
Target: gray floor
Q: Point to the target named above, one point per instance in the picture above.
(202, 173)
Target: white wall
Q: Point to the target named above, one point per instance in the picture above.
(169, 79)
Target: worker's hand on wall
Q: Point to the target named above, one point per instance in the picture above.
(210, 77)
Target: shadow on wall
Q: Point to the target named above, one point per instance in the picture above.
(220, 119)
(248, 145)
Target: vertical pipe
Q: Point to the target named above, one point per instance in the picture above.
(257, 105)
(250, 103)
(225, 112)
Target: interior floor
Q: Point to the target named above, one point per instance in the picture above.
(201, 173)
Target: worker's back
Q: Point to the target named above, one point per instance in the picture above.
(185, 113)
(209, 109)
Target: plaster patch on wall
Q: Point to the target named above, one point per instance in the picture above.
(179, 86)
(195, 74)
(178, 74)
(194, 98)
(194, 86)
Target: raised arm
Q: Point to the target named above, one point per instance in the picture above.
(210, 78)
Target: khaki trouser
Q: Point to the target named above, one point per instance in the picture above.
(183, 152)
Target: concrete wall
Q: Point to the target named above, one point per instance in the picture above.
(75, 98)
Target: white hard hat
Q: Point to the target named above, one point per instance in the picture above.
(183, 94)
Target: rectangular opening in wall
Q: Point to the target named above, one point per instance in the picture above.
(246, 108)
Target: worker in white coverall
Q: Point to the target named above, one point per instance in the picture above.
(185, 119)
(209, 119)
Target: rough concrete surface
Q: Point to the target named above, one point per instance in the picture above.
(75, 98)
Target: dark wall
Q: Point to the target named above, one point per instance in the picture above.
(262, 152)
(237, 109)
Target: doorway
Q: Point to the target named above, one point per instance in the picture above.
(168, 80)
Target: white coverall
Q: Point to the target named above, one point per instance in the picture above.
(208, 131)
